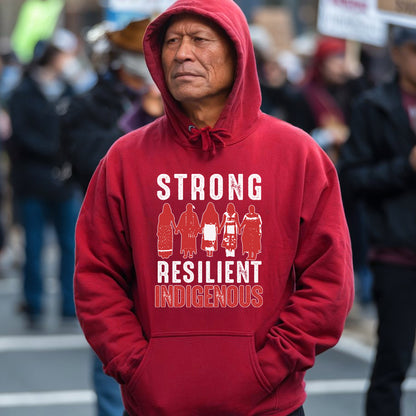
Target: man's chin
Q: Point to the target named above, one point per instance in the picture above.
(185, 95)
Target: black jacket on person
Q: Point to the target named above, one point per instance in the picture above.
(374, 166)
(90, 126)
(37, 164)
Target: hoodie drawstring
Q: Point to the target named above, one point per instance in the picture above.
(210, 138)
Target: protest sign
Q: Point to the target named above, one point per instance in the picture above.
(400, 12)
(407, 7)
(121, 12)
(37, 20)
(355, 20)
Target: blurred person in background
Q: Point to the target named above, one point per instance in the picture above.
(40, 178)
(5, 133)
(378, 165)
(123, 99)
(10, 74)
(280, 97)
(329, 93)
(11, 70)
(77, 71)
(5, 125)
(330, 89)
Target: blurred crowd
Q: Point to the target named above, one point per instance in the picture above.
(61, 111)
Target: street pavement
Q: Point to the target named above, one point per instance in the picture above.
(48, 372)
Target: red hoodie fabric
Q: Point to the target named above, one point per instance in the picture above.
(213, 314)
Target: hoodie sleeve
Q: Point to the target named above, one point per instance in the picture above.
(313, 319)
(104, 274)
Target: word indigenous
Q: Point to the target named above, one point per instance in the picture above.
(208, 296)
(232, 286)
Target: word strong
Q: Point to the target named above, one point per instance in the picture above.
(197, 187)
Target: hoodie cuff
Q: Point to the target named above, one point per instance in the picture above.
(274, 365)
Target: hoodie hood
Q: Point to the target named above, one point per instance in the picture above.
(241, 111)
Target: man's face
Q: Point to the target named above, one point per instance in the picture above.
(198, 61)
(404, 57)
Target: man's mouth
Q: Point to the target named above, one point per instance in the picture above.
(185, 75)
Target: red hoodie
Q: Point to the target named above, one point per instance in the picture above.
(212, 266)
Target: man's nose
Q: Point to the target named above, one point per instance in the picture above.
(185, 50)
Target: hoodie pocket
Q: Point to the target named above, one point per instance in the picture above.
(199, 374)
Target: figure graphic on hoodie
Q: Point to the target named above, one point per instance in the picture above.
(189, 228)
(251, 233)
(231, 226)
(165, 227)
(210, 227)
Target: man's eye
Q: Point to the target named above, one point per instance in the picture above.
(171, 41)
(198, 39)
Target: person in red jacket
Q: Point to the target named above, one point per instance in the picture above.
(223, 335)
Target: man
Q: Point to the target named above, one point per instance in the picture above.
(224, 335)
(378, 165)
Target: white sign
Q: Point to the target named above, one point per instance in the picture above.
(119, 13)
(141, 6)
(401, 13)
(353, 20)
